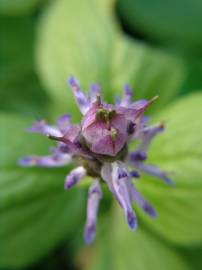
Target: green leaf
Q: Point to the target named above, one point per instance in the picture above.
(193, 256)
(140, 250)
(92, 47)
(18, 7)
(32, 229)
(193, 81)
(36, 213)
(20, 89)
(179, 151)
(147, 69)
(165, 21)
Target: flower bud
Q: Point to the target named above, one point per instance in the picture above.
(104, 130)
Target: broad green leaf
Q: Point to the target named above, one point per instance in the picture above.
(193, 81)
(193, 256)
(36, 214)
(32, 229)
(20, 89)
(18, 7)
(146, 69)
(170, 21)
(138, 250)
(92, 47)
(179, 151)
(181, 140)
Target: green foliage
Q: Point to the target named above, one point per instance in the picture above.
(178, 151)
(193, 82)
(95, 50)
(83, 38)
(18, 7)
(20, 88)
(36, 213)
(140, 250)
(170, 21)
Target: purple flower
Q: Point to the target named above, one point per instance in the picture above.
(100, 147)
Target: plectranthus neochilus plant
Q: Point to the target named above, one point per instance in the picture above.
(99, 146)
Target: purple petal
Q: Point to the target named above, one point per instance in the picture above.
(94, 197)
(81, 99)
(43, 128)
(135, 111)
(128, 91)
(145, 120)
(27, 161)
(122, 173)
(120, 177)
(73, 148)
(117, 100)
(63, 123)
(126, 100)
(74, 177)
(137, 197)
(120, 191)
(140, 104)
(132, 220)
(94, 92)
(46, 161)
(147, 134)
(89, 233)
(154, 171)
(137, 156)
(73, 132)
(106, 173)
(134, 174)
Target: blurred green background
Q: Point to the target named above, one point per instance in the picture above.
(156, 47)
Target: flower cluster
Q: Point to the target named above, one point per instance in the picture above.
(99, 145)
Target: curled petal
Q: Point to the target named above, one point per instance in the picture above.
(137, 197)
(126, 100)
(117, 100)
(46, 161)
(134, 174)
(153, 171)
(147, 134)
(119, 181)
(63, 123)
(74, 177)
(81, 99)
(106, 173)
(137, 156)
(43, 128)
(94, 197)
(116, 178)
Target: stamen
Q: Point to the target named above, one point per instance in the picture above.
(113, 133)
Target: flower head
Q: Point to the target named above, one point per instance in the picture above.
(100, 145)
